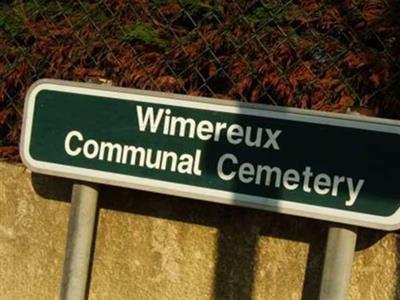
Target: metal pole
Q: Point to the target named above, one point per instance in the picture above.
(340, 247)
(81, 225)
(338, 262)
(79, 241)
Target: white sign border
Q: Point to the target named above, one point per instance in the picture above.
(207, 194)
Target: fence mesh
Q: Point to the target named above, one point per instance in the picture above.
(323, 55)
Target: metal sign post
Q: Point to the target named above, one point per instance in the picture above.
(339, 253)
(327, 166)
(81, 229)
(82, 221)
(338, 262)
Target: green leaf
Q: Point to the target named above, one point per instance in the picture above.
(146, 33)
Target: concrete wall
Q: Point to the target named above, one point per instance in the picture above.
(150, 246)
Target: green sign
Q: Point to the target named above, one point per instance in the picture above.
(320, 165)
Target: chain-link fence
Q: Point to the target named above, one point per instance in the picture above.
(325, 55)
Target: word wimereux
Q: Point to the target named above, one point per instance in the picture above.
(229, 167)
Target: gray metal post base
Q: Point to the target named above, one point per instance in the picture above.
(79, 241)
(338, 263)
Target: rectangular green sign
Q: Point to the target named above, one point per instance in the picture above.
(320, 165)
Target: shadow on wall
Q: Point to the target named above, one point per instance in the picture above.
(239, 230)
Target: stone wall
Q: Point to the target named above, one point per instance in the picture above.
(150, 246)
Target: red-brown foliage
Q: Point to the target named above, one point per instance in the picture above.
(324, 55)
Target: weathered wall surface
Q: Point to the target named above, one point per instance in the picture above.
(150, 246)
